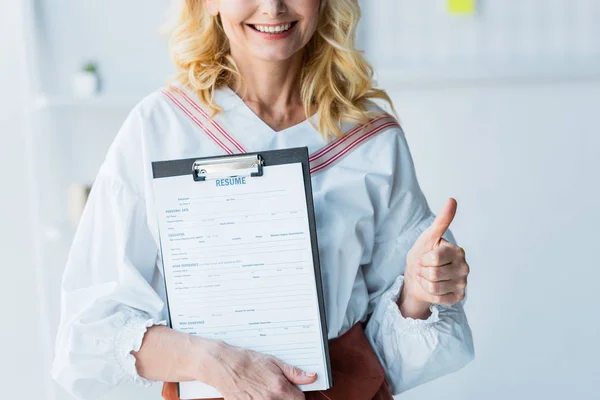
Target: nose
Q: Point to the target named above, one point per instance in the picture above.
(273, 8)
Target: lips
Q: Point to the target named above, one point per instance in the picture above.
(273, 29)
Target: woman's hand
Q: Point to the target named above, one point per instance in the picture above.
(436, 270)
(246, 374)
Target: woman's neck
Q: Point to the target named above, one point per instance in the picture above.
(272, 90)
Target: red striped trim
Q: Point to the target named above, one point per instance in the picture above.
(197, 121)
(212, 121)
(320, 160)
(351, 146)
(344, 138)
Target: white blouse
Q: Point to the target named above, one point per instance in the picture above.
(369, 211)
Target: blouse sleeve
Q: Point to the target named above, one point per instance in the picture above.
(411, 351)
(107, 303)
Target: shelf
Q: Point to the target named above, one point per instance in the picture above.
(43, 101)
(477, 75)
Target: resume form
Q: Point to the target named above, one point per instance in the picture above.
(238, 266)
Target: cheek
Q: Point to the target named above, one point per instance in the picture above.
(311, 29)
(310, 14)
(234, 32)
(233, 15)
(310, 6)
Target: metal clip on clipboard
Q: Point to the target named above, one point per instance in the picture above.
(228, 166)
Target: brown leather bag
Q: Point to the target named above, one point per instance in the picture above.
(357, 374)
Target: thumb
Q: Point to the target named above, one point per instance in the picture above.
(434, 233)
(296, 375)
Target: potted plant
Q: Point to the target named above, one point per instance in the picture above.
(86, 81)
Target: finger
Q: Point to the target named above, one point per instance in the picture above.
(439, 288)
(434, 233)
(439, 256)
(437, 274)
(452, 271)
(295, 394)
(295, 374)
(283, 389)
(449, 299)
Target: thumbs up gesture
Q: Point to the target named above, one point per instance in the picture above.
(436, 270)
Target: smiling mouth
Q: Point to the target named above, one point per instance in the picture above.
(273, 29)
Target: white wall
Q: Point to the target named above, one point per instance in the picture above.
(522, 162)
(421, 40)
(121, 35)
(20, 336)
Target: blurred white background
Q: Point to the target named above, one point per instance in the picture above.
(500, 109)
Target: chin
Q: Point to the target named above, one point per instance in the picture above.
(278, 55)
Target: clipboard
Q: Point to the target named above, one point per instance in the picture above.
(203, 170)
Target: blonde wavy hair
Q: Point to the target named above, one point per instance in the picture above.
(335, 77)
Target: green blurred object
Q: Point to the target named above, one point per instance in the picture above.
(91, 67)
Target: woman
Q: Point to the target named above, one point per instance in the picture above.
(277, 74)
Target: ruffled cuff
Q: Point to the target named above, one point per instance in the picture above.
(414, 351)
(395, 321)
(130, 339)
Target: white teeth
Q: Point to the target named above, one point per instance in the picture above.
(273, 29)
